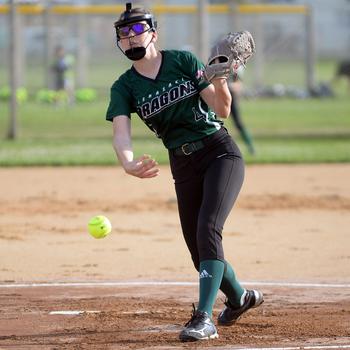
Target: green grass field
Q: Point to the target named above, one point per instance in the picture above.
(284, 131)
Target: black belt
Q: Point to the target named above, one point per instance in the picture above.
(188, 148)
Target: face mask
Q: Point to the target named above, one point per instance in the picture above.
(136, 53)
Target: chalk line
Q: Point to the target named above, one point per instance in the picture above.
(165, 283)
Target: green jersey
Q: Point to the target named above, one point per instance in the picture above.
(170, 104)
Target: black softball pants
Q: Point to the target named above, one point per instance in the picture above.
(207, 183)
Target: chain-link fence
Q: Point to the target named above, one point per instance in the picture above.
(283, 36)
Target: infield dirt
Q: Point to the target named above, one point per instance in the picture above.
(290, 224)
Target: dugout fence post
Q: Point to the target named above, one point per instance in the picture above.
(14, 69)
(310, 49)
(259, 55)
(203, 30)
(161, 24)
(48, 45)
(82, 51)
(234, 17)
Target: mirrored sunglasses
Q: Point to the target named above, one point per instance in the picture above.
(137, 28)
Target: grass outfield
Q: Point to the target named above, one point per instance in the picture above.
(284, 131)
(102, 73)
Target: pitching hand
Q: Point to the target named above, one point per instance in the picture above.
(143, 167)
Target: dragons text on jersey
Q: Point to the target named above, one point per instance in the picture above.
(178, 91)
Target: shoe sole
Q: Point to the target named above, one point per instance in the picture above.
(192, 339)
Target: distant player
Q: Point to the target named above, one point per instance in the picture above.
(62, 69)
(166, 89)
(343, 71)
(59, 68)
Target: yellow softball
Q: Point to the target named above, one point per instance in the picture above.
(99, 226)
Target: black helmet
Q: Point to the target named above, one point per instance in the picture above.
(135, 15)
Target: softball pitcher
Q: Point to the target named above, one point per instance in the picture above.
(178, 98)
